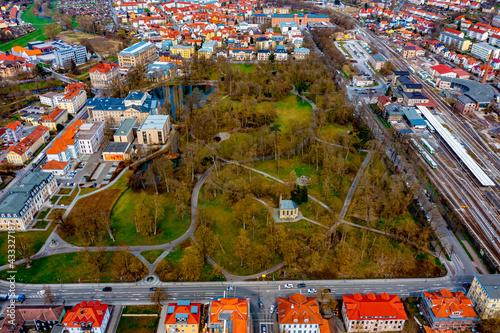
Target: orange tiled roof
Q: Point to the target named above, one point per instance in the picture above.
(191, 309)
(371, 306)
(103, 68)
(55, 165)
(14, 125)
(28, 141)
(297, 308)
(86, 312)
(53, 115)
(445, 303)
(67, 138)
(236, 307)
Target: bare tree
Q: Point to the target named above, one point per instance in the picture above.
(49, 296)
(158, 296)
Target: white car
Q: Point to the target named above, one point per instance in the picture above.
(41, 292)
(288, 285)
(271, 308)
(311, 290)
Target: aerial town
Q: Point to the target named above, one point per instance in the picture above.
(249, 166)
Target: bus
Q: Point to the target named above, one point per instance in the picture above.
(411, 70)
(427, 146)
(430, 128)
(429, 160)
(7, 297)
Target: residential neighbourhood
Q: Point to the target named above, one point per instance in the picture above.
(249, 166)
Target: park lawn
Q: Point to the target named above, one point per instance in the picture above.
(43, 214)
(53, 212)
(35, 239)
(63, 268)
(140, 309)
(68, 199)
(151, 255)
(146, 324)
(244, 68)
(41, 224)
(227, 230)
(329, 132)
(64, 191)
(54, 199)
(292, 109)
(170, 226)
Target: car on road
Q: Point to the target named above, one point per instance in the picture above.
(271, 308)
(301, 285)
(288, 285)
(152, 289)
(311, 290)
(263, 328)
(106, 179)
(107, 289)
(261, 305)
(41, 292)
(230, 288)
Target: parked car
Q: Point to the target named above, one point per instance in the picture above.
(271, 308)
(261, 305)
(301, 285)
(288, 285)
(107, 289)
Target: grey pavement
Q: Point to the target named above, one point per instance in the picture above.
(354, 185)
(114, 319)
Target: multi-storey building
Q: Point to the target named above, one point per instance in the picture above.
(18, 209)
(90, 136)
(186, 51)
(51, 98)
(445, 309)
(125, 132)
(483, 51)
(229, 312)
(75, 97)
(56, 117)
(91, 317)
(65, 54)
(370, 313)
(460, 43)
(26, 148)
(14, 131)
(66, 147)
(301, 53)
(114, 110)
(103, 74)
(137, 54)
(484, 294)
(263, 55)
(477, 34)
(377, 61)
(299, 19)
(183, 317)
(154, 130)
(299, 313)
(465, 104)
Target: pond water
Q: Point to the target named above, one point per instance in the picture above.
(178, 98)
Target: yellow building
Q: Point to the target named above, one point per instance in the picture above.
(185, 51)
(137, 54)
(27, 147)
(484, 294)
(56, 117)
(183, 317)
(74, 97)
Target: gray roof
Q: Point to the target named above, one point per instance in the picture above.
(453, 36)
(116, 147)
(464, 99)
(379, 57)
(118, 104)
(477, 91)
(490, 283)
(126, 126)
(393, 108)
(288, 204)
(408, 83)
(413, 117)
(154, 122)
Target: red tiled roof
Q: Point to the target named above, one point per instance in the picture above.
(442, 69)
(14, 125)
(453, 31)
(237, 308)
(103, 68)
(371, 306)
(445, 303)
(52, 117)
(299, 309)
(67, 138)
(192, 310)
(55, 165)
(86, 312)
(28, 141)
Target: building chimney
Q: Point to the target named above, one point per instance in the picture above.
(486, 70)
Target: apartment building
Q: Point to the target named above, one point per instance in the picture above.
(90, 136)
(66, 147)
(137, 54)
(65, 54)
(136, 105)
(241, 54)
(27, 147)
(263, 55)
(56, 117)
(301, 53)
(369, 313)
(154, 130)
(24, 200)
(125, 132)
(75, 97)
(477, 34)
(186, 51)
(483, 51)
(14, 131)
(445, 309)
(229, 312)
(103, 74)
(484, 294)
(460, 43)
(409, 52)
(183, 317)
(92, 317)
(377, 61)
(51, 98)
(299, 313)
(280, 54)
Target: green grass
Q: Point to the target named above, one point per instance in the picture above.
(64, 191)
(39, 34)
(138, 324)
(68, 199)
(140, 309)
(63, 268)
(171, 226)
(151, 255)
(329, 132)
(347, 54)
(41, 224)
(292, 108)
(464, 247)
(244, 68)
(35, 239)
(54, 199)
(43, 214)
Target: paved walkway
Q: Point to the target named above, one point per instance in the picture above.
(354, 185)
